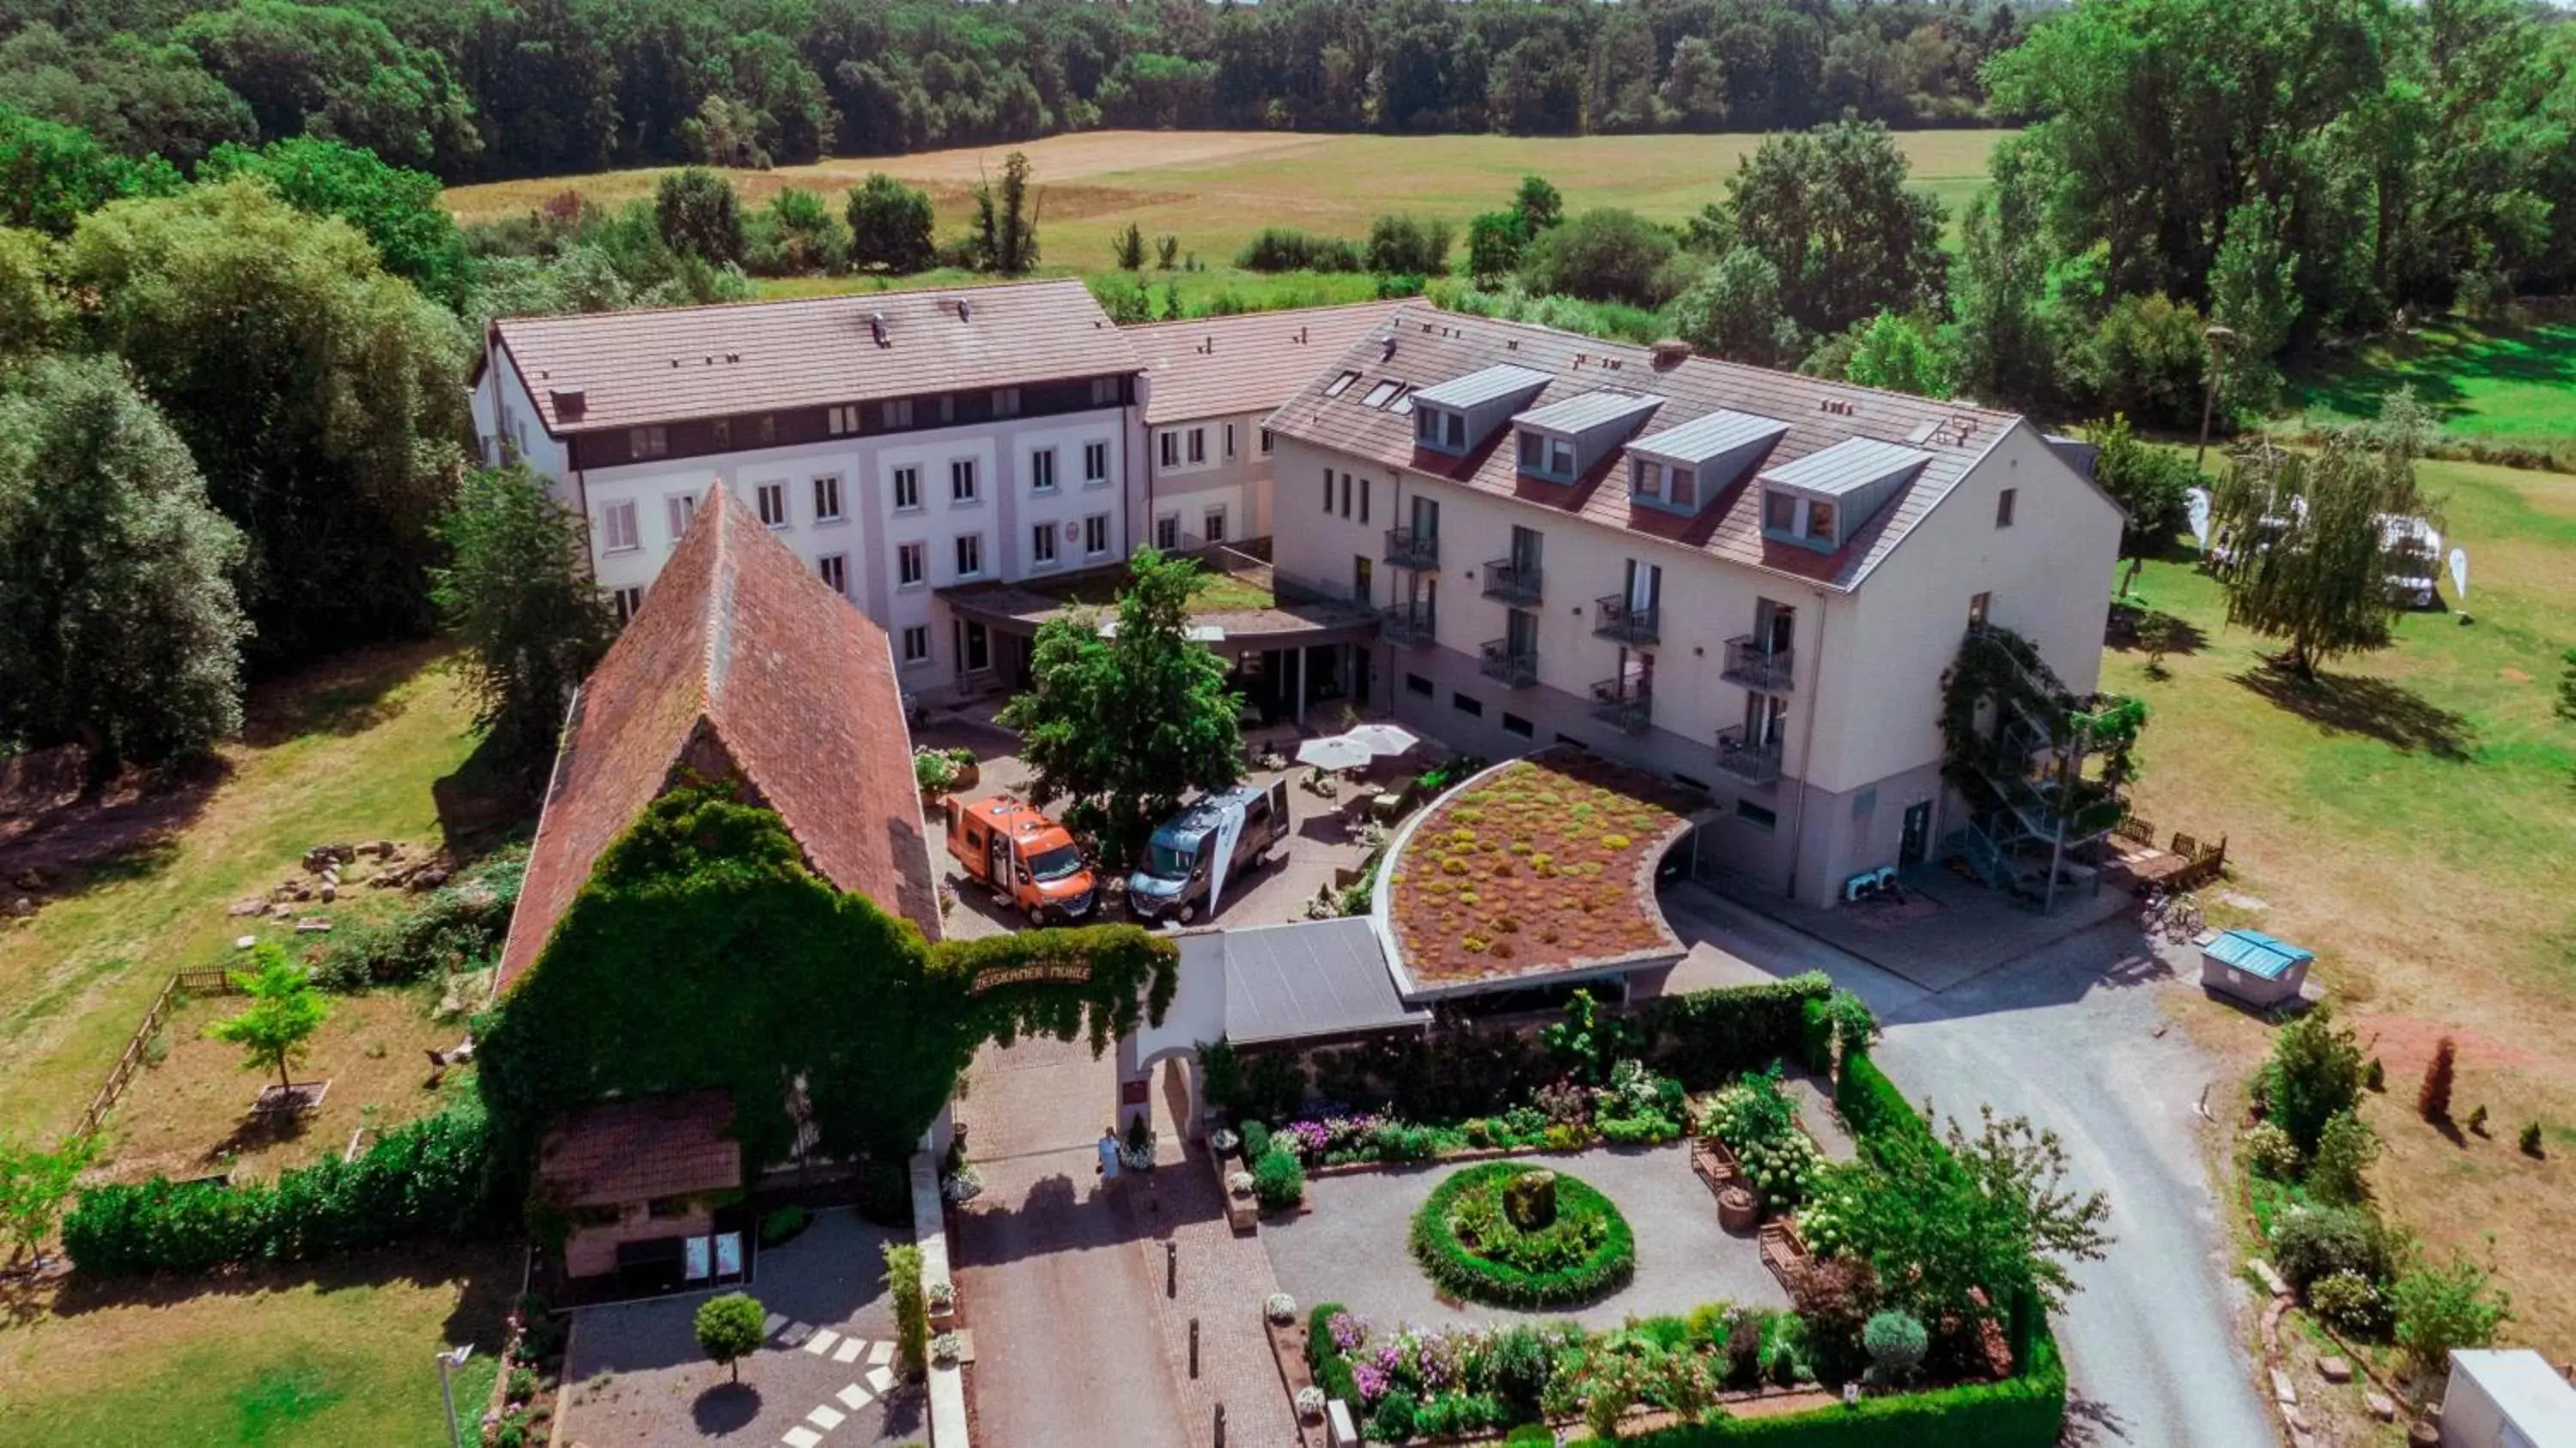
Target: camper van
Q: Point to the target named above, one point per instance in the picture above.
(1028, 860)
(1189, 860)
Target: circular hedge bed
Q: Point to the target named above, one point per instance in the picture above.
(1517, 1234)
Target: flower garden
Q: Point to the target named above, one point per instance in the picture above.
(1934, 1342)
(1543, 864)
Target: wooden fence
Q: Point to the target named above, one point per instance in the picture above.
(182, 984)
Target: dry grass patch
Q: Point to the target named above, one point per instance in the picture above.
(1542, 865)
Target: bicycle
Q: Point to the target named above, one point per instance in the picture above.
(2177, 918)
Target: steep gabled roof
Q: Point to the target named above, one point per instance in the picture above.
(739, 648)
(1460, 358)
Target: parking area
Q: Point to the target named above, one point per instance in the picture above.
(824, 1378)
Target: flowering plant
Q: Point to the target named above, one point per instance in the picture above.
(945, 1347)
(1310, 1403)
(1238, 1184)
(963, 1184)
(1280, 1307)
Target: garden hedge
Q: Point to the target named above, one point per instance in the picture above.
(425, 1179)
(1870, 1103)
(1476, 1279)
(2028, 1411)
(1331, 1373)
(1707, 1038)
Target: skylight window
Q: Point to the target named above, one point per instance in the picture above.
(1378, 396)
(1341, 384)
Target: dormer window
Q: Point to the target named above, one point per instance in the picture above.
(1779, 512)
(1545, 455)
(1821, 500)
(1663, 482)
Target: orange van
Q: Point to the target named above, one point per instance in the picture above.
(1025, 858)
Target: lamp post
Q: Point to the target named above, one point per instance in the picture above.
(449, 1360)
(2217, 338)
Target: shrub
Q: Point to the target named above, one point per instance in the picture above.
(2310, 1242)
(1404, 245)
(2315, 1071)
(2350, 1304)
(1280, 249)
(1256, 1141)
(2439, 1309)
(1588, 1250)
(2344, 1153)
(1896, 1342)
(1784, 1366)
(2269, 1151)
(2433, 1098)
(2529, 1140)
(459, 927)
(1605, 255)
(1331, 1371)
(911, 1312)
(1279, 1307)
(2374, 1076)
(729, 1328)
(2021, 1412)
(1706, 1038)
(782, 1224)
(1393, 1422)
(1278, 1180)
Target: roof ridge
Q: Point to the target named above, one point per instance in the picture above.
(1392, 305)
(717, 640)
(826, 299)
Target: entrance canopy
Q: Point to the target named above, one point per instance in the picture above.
(1315, 978)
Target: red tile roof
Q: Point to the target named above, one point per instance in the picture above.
(1432, 346)
(641, 1149)
(1214, 366)
(668, 364)
(739, 643)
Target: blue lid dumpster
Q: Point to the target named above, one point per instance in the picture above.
(2253, 967)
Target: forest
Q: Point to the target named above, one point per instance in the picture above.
(479, 89)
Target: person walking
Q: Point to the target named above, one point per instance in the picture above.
(1108, 1153)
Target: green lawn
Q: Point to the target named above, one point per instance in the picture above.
(2515, 384)
(2410, 818)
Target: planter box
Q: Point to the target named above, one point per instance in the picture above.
(1288, 1351)
(1242, 1214)
(1738, 1209)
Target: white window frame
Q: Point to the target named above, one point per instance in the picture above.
(829, 564)
(1006, 402)
(764, 496)
(682, 511)
(1229, 439)
(1212, 524)
(827, 498)
(965, 489)
(648, 442)
(842, 421)
(626, 602)
(1168, 448)
(912, 565)
(1198, 446)
(916, 645)
(1042, 546)
(898, 413)
(617, 529)
(1042, 470)
(1167, 532)
(907, 481)
(968, 554)
(1095, 465)
(1267, 441)
(1095, 526)
(1104, 392)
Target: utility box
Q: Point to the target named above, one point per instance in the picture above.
(2507, 1399)
(2253, 967)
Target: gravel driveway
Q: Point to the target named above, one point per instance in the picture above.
(1349, 1246)
(2068, 1036)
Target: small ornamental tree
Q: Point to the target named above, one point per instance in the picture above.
(2338, 1172)
(729, 1329)
(33, 1187)
(1538, 205)
(285, 1010)
(1897, 1342)
(911, 1311)
(698, 214)
(2442, 1309)
(2433, 1099)
(1129, 248)
(2315, 1072)
(517, 591)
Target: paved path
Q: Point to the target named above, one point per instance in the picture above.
(1350, 1245)
(2067, 1036)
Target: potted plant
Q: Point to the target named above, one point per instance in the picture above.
(934, 771)
(1137, 1153)
(1223, 1142)
(1280, 1308)
(941, 1299)
(1310, 1404)
(1238, 1185)
(944, 1348)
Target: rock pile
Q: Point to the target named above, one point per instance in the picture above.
(327, 869)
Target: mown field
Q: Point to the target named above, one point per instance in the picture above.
(2504, 383)
(1214, 189)
(2412, 818)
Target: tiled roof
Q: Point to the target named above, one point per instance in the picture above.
(738, 642)
(638, 1150)
(669, 364)
(1436, 351)
(1216, 366)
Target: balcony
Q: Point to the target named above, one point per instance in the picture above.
(1509, 582)
(1512, 668)
(1406, 625)
(1625, 704)
(1406, 548)
(1748, 663)
(1753, 762)
(1616, 619)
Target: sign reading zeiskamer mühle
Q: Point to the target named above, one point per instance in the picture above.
(1077, 972)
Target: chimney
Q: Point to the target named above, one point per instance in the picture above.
(570, 402)
(964, 312)
(876, 325)
(1386, 349)
(1670, 353)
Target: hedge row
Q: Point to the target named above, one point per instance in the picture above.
(1463, 1274)
(424, 1179)
(1330, 1371)
(1871, 1104)
(2028, 1411)
(1707, 1038)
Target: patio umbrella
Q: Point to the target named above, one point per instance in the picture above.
(1386, 739)
(1334, 751)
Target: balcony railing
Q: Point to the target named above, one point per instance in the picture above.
(1406, 548)
(1509, 582)
(1750, 760)
(1615, 618)
(1406, 625)
(1510, 667)
(1625, 704)
(1772, 671)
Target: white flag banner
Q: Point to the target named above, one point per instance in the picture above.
(2198, 500)
(2460, 571)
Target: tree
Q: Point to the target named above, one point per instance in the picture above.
(1006, 223)
(317, 394)
(1900, 354)
(1167, 252)
(2306, 552)
(1407, 246)
(2565, 708)
(796, 235)
(286, 1008)
(337, 73)
(1830, 210)
(1538, 204)
(32, 314)
(119, 629)
(398, 209)
(1734, 312)
(2147, 356)
(139, 96)
(33, 1187)
(52, 175)
(517, 590)
(889, 225)
(1896, 1342)
(2152, 483)
(2253, 292)
(730, 1328)
(911, 1313)
(2338, 1174)
(1129, 248)
(699, 215)
(2004, 352)
(1607, 255)
(2314, 1074)
(1495, 242)
(2433, 1100)
(2443, 1309)
(1127, 725)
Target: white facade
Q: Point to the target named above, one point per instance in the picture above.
(1203, 480)
(1009, 499)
